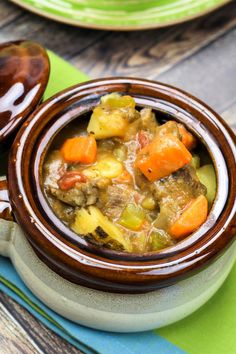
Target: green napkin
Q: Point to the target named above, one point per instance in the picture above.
(62, 75)
(211, 329)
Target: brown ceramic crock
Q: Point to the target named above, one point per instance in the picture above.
(70, 255)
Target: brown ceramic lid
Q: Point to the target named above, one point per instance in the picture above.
(24, 73)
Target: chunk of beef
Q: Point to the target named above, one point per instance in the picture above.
(181, 186)
(131, 113)
(141, 181)
(63, 211)
(169, 127)
(174, 193)
(81, 195)
(54, 167)
(148, 120)
(115, 199)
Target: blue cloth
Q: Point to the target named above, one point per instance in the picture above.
(88, 340)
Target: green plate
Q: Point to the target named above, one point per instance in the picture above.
(121, 14)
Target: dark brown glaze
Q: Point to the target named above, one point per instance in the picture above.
(24, 72)
(5, 206)
(69, 255)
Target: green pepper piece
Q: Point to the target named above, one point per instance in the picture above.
(132, 217)
(159, 239)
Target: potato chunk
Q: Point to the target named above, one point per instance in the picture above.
(104, 232)
(106, 124)
(112, 117)
(108, 167)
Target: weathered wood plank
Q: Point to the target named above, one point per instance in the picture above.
(102, 53)
(43, 338)
(8, 13)
(230, 115)
(210, 74)
(63, 39)
(13, 338)
(149, 53)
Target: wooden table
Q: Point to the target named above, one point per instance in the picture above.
(198, 56)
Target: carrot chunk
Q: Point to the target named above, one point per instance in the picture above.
(163, 156)
(186, 137)
(191, 219)
(80, 149)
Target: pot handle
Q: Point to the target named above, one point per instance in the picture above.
(5, 206)
(6, 218)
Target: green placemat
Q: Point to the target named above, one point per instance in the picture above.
(211, 329)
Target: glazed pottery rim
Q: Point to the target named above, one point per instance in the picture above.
(175, 255)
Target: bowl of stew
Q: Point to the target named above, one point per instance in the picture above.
(125, 191)
(127, 181)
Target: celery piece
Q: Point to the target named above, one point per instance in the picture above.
(195, 162)
(159, 239)
(115, 100)
(207, 176)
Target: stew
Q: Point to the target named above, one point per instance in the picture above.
(127, 180)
